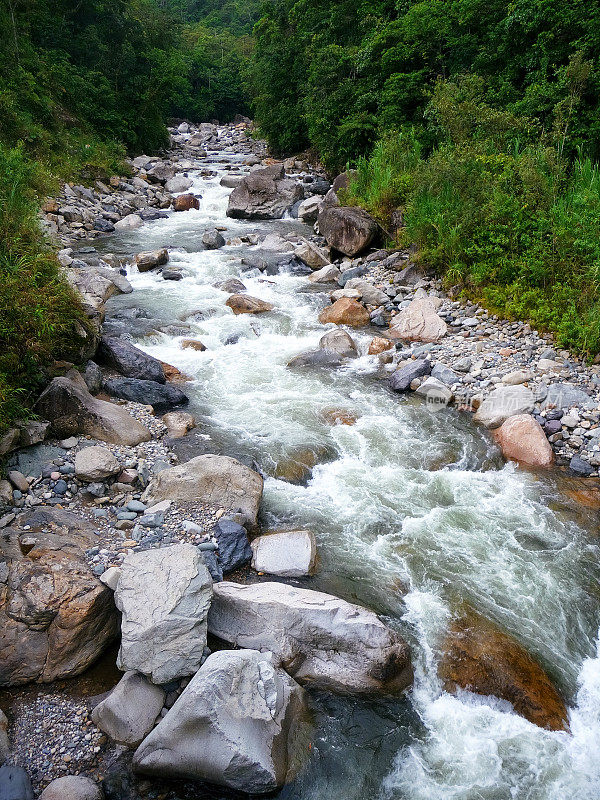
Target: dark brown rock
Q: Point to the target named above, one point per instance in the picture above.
(479, 657)
(56, 618)
(185, 202)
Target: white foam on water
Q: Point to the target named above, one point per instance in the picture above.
(406, 501)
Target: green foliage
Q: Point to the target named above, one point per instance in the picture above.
(515, 225)
(41, 319)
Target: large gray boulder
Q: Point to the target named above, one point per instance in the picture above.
(238, 724)
(218, 481)
(56, 617)
(128, 360)
(72, 410)
(130, 710)
(504, 402)
(347, 229)
(14, 783)
(164, 596)
(317, 638)
(340, 342)
(264, 194)
(418, 323)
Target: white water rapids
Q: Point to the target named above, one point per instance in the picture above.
(415, 515)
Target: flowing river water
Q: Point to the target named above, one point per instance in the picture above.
(416, 516)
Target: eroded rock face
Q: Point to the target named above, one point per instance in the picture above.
(318, 638)
(502, 403)
(164, 596)
(347, 229)
(237, 724)
(418, 323)
(264, 194)
(130, 710)
(345, 311)
(72, 410)
(245, 304)
(218, 481)
(522, 438)
(56, 618)
(479, 657)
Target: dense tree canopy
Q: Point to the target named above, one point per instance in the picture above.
(368, 66)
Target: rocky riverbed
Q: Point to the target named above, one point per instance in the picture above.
(144, 483)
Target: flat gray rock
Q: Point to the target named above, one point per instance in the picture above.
(502, 403)
(130, 711)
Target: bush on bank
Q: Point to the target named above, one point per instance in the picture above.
(40, 315)
(496, 209)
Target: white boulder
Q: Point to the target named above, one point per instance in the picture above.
(291, 554)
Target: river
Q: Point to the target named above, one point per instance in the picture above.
(416, 516)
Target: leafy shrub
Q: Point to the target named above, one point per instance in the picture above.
(41, 318)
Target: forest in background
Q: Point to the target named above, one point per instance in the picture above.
(478, 119)
(81, 85)
(479, 122)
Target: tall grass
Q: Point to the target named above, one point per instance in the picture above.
(515, 226)
(40, 316)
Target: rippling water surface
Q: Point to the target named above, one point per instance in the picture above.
(415, 515)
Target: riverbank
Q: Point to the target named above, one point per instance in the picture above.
(119, 498)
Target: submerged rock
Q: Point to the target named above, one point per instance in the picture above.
(163, 596)
(479, 657)
(237, 724)
(245, 304)
(186, 202)
(316, 637)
